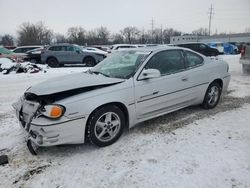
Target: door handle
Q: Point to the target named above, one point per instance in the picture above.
(184, 79)
(154, 93)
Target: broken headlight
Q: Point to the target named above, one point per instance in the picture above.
(53, 111)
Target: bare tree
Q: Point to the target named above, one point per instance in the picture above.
(7, 40)
(77, 35)
(131, 34)
(157, 36)
(117, 38)
(92, 37)
(103, 35)
(169, 32)
(201, 32)
(59, 38)
(31, 34)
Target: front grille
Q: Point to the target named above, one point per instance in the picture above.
(30, 97)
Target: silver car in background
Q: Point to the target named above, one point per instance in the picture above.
(61, 54)
(124, 89)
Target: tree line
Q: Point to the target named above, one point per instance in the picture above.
(40, 34)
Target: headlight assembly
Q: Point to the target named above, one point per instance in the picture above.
(53, 111)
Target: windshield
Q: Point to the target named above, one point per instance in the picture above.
(121, 64)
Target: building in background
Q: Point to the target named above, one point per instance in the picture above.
(238, 37)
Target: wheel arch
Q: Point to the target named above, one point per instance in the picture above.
(120, 105)
(51, 57)
(88, 56)
(219, 81)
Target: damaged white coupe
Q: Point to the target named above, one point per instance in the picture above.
(124, 89)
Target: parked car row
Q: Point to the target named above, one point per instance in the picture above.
(61, 54)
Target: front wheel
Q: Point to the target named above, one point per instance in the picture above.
(212, 96)
(89, 62)
(52, 62)
(105, 125)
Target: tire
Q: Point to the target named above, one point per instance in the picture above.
(89, 61)
(105, 125)
(52, 62)
(212, 96)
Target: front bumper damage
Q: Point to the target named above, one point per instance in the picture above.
(41, 131)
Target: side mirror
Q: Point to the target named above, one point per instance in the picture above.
(77, 51)
(149, 73)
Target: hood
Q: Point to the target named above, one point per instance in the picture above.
(76, 83)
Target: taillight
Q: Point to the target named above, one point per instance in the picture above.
(243, 50)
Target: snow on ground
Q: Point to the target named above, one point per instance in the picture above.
(212, 151)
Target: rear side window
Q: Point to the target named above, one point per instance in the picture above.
(55, 48)
(58, 48)
(192, 59)
(19, 50)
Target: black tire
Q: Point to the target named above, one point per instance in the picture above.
(100, 116)
(31, 147)
(52, 62)
(89, 61)
(211, 99)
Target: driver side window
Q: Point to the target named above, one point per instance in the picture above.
(167, 62)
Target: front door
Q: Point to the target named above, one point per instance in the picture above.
(166, 93)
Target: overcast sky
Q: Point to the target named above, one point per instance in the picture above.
(188, 15)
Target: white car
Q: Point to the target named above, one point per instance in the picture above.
(116, 47)
(124, 89)
(94, 50)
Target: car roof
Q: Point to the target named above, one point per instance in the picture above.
(153, 48)
(29, 46)
(192, 43)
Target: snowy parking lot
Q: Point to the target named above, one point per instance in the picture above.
(192, 147)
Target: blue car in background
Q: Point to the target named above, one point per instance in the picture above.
(224, 47)
(230, 48)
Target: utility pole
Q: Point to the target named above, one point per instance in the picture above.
(211, 11)
(152, 30)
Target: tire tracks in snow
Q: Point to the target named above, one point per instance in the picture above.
(172, 121)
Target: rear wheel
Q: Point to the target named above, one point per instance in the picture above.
(212, 96)
(52, 62)
(105, 125)
(89, 62)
